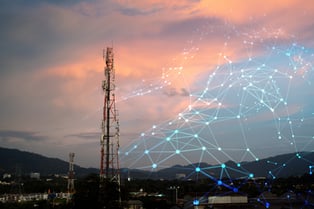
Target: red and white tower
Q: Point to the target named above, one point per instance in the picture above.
(109, 160)
(71, 189)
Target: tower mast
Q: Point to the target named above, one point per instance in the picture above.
(71, 189)
(109, 142)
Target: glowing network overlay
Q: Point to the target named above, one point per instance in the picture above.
(241, 110)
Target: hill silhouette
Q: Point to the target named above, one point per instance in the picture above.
(286, 165)
(281, 166)
(28, 162)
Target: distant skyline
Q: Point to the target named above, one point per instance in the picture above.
(224, 80)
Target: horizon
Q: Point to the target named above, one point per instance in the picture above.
(195, 163)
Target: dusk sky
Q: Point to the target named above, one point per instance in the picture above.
(227, 80)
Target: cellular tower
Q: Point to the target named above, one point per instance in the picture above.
(71, 189)
(109, 142)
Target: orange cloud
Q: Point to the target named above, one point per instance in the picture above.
(243, 11)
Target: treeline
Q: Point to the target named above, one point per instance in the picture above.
(29, 185)
(89, 193)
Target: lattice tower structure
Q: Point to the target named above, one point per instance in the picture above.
(71, 188)
(109, 161)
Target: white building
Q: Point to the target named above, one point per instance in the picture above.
(34, 175)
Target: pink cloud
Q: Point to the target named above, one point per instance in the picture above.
(170, 44)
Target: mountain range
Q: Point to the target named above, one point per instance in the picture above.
(293, 164)
(13, 160)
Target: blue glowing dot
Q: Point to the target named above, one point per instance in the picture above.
(219, 182)
(223, 165)
(176, 131)
(154, 165)
(142, 134)
(267, 205)
(239, 165)
(168, 138)
(251, 175)
(235, 190)
(177, 151)
(219, 148)
(146, 151)
(197, 169)
(196, 202)
(204, 148)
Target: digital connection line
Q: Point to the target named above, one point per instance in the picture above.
(237, 111)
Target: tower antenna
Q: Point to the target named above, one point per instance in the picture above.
(71, 189)
(109, 142)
